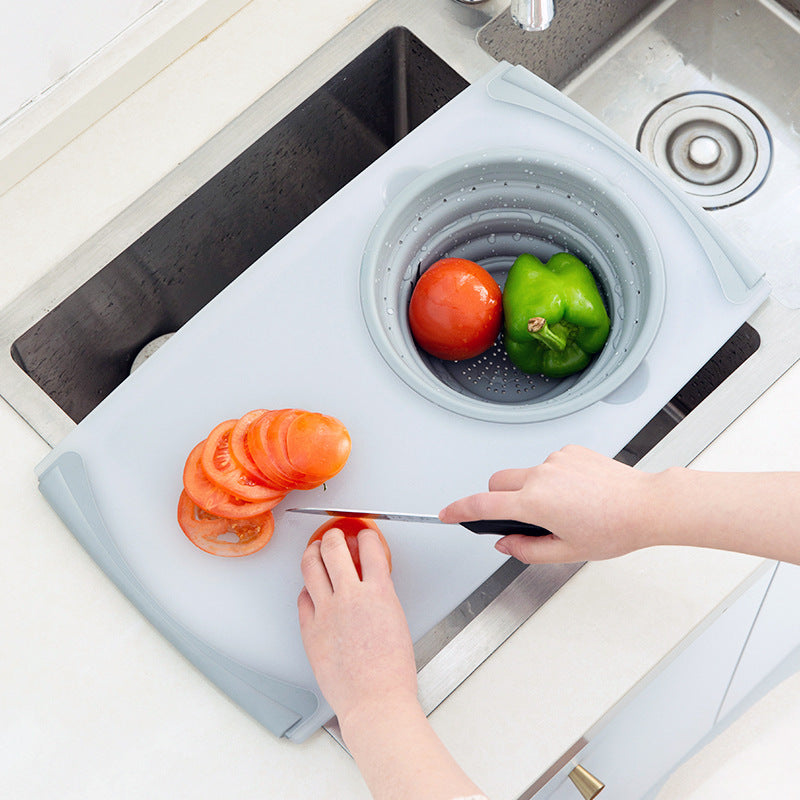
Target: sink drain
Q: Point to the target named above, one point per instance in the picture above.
(713, 145)
(148, 350)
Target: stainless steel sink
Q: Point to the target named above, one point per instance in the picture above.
(683, 75)
(84, 348)
(71, 339)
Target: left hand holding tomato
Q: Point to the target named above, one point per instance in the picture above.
(354, 630)
(358, 643)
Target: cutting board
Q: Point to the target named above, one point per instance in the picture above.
(289, 333)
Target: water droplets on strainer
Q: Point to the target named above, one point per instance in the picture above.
(492, 377)
(490, 208)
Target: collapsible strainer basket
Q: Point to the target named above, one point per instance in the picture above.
(490, 208)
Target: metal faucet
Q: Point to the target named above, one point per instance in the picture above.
(530, 15)
(533, 15)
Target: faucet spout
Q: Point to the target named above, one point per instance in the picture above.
(533, 15)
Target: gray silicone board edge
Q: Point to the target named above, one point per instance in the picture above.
(279, 706)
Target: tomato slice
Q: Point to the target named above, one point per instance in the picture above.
(317, 445)
(239, 449)
(223, 537)
(296, 449)
(213, 498)
(276, 444)
(221, 468)
(258, 444)
(350, 526)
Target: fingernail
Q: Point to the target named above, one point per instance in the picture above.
(502, 547)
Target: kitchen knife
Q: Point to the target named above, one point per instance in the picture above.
(500, 527)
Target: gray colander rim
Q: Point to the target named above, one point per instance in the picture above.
(427, 384)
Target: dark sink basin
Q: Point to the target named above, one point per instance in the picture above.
(84, 348)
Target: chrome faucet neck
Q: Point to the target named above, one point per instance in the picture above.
(533, 15)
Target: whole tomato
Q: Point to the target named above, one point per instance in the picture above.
(456, 309)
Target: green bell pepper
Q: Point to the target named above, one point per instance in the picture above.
(555, 319)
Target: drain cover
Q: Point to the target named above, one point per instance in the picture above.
(148, 350)
(714, 146)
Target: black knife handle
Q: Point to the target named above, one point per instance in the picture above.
(504, 527)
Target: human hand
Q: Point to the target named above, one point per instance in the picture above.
(594, 506)
(354, 631)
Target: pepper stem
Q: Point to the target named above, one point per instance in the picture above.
(540, 330)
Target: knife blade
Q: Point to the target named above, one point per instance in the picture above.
(500, 527)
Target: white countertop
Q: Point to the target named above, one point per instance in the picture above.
(96, 704)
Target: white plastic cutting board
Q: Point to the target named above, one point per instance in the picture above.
(289, 332)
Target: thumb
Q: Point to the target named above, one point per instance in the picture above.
(536, 549)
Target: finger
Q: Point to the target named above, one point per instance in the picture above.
(374, 564)
(315, 575)
(485, 505)
(305, 608)
(537, 549)
(337, 559)
(508, 480)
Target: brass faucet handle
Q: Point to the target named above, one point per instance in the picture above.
(586, 783)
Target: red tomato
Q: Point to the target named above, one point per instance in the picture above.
(350, 526)
(212, 498)
(223, 537)
(219, 465)
(456, 309)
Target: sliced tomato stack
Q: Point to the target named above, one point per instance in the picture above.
(235, 477)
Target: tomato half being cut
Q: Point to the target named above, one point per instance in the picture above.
(223, 537)
(213, 498)
(219, 465)
(350, 526)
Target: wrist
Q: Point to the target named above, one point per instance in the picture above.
(398, 752)
(374, 710)
(658, 504)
